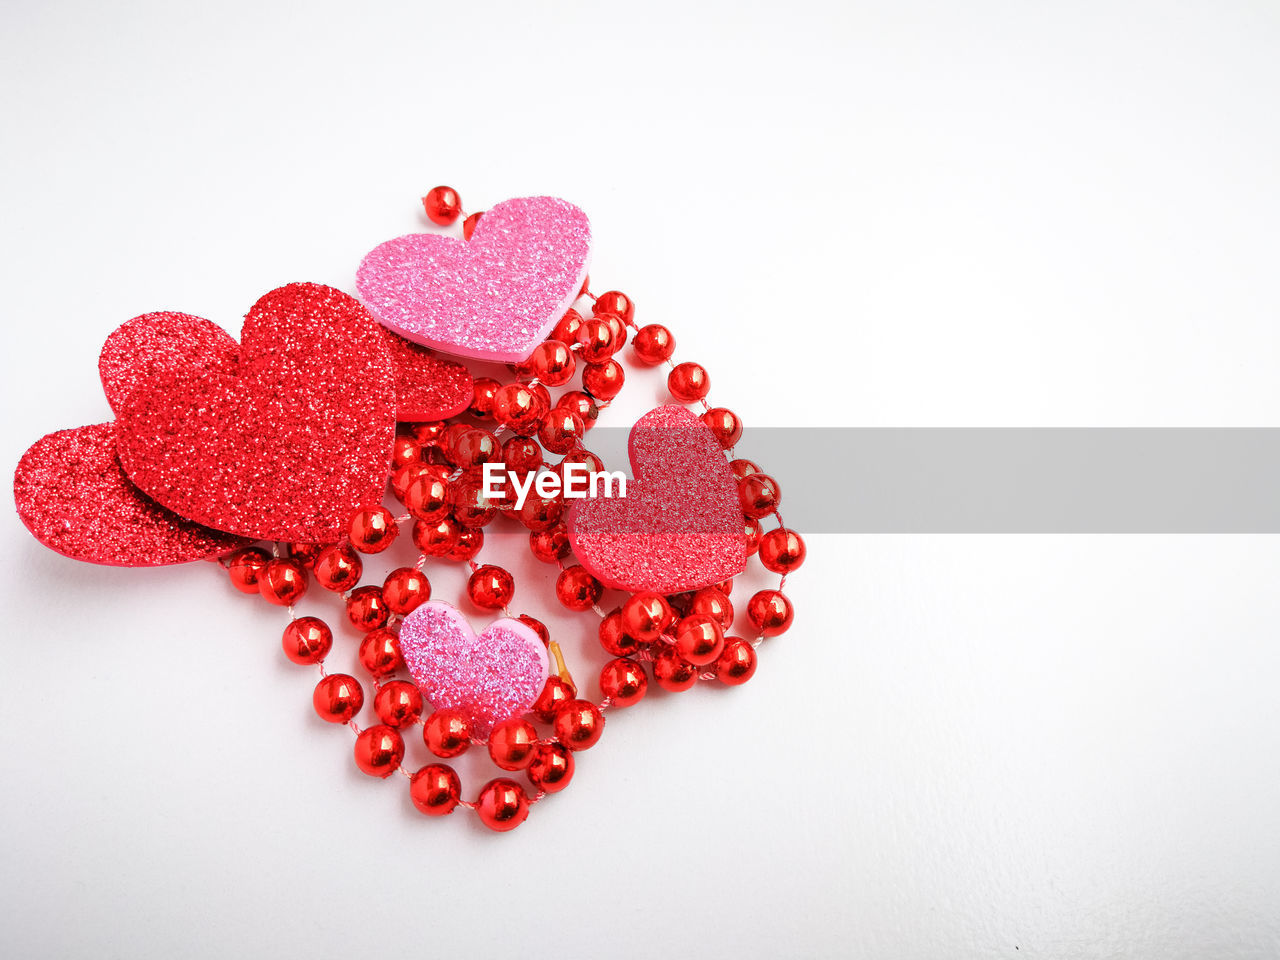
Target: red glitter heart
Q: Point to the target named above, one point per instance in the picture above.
(680, 526)
(75, 499)
(289, 445)
(427, 388)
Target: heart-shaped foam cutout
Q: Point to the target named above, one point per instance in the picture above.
(487, 677)
(493, 297)
(427, 388)
(75, 499)
(680, 527)
(289, 445)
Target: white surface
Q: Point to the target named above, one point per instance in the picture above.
(897, 214)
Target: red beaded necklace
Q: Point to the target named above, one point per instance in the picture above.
(514, 421)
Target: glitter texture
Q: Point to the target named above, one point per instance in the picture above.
(487, 678)
(157, 343)
(680, 526)
(427, 388)
(289, 446)
(75, 499)
(495, 297)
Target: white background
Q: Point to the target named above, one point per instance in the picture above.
(853, 214)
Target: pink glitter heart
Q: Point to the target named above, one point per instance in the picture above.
(494, 297)
(680, 526)
(488, 678)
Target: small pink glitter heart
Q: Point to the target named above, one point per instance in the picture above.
(494, 297)
(680, 526)
(488, 678)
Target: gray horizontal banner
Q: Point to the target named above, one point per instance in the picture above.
(1013, 480)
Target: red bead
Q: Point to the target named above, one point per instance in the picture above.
(521, 455)
(561, 430)
(435, 789)
(447, 733)
(743, 468)
(379, 750)
(759, 495)
(579, 456)
(551, 768)
(373, 529)
(688, 382)
(781, 550)
(736, 663)
(366, 609)
(469, 225)
(405, 450)
(305, 553)
(245, 567)
(699, 639)
(502, 805)
(338, 568)
(577, 589)
(566, 329)
(770, 612)
(552, 363)
(471, 508)
(380, 653)
(401, 480)
(617, 328)
(405, 589)
(283, 582)
(653, 344)
(714, 604)
(751, 530)
(466, 546)
(442, 204)
(437, 537)
(644, 616)
(616, 303)
(473, 448)
(596, 340)
(541, 513)
(511, 744)
(307, 640)
(428, 432)
(671, 671)
(623, 681)
(603, 380)
(337, 698)
(482, 399)
(519, 408)
(551, 544)
(555, 691)
(491, 587)
(576, 401)
(537, 626)
(614, 637)
(578, 724)
(726, 426)
(398, 703)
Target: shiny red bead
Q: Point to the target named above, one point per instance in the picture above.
(435, 789)
(338, 568)
(736, 663)
(282, 582)
(713, 603)
(688, 382)
(770, 612)
(428, 432)
(751, 531)
(699, 639)
(550, 545)
(491, 587)
(581, 403)
(402, 479)
(398, 703)
(759, 495)
(436, 538)
(502, 805)
(511, 744)
(619, 330)
(566, 329)
(537, 626)
(623, 681)
(743, 468)
(725, 425)
(373, 529)
(519, 408)
(366, 609)
(442, 205)
(577, 589)
(645, 615)
(617, 303)
(447, 733)
(603, 380)
(379, 750)
(473, 448)
(469, 225)
(781, 550)
(466, 546)
(541, 513)
(521, 455)
(405, 589)
(305, 553)
(551, 768)
(245, 566)
(555, 691)
(552, 363)
(578, 724)
(471, 508)
(337, 698)
(307, 640)
(653, 344)
(405, 450)
(379, 653)
(561, 430)
(595, 340)
(482, 399)
(614, 637)
(671, 671)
